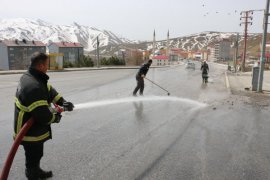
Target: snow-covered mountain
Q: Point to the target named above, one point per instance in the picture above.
(201, 40)
(46, 32)
(193, 42)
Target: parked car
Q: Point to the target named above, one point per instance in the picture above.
(190, 65)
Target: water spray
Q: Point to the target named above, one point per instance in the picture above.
(94, 104)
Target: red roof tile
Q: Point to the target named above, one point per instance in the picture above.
(161, 57)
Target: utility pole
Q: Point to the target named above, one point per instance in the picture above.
(246, 16)
(262, 61)
(236, 45)
(97, 52)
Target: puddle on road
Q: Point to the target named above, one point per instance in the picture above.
(138, 99)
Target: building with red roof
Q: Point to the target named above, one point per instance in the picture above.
(16, 54)
(160, 60)
(72, 51)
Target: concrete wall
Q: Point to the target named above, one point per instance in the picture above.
(225, 50)
(20, 56)
(4, 65)
(222, 51)
(71, 54)
(53, 48)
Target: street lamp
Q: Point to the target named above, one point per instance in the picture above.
(97, 50)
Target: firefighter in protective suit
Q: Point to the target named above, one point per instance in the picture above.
(33, 98)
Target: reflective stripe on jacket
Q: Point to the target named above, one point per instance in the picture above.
(33, 98)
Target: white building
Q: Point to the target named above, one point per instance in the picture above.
(160, 60)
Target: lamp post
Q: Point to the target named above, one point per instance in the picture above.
(261, 70)
(97, 52)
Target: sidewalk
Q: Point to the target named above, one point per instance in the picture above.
(242, 82)
(77, 69)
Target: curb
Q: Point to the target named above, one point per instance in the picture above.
(82, 69)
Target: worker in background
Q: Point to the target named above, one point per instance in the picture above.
(140, 77)
(205, 70)
(33, 98)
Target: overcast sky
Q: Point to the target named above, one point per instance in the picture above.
(136, 19)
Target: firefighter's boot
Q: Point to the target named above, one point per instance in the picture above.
(32, 173)
(44, 174)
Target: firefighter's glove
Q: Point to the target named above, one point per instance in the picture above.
(68, 106)
(58, 117)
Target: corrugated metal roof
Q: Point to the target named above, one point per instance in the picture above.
(22, 43)
(67, 44)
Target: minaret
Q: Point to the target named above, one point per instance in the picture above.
(168, 44)
(154, 43)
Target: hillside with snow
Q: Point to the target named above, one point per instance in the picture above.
(194, 42)
(46, 32)
(201, 40)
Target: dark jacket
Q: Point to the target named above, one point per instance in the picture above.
(143, 69)
(33, 98)
(205, 68)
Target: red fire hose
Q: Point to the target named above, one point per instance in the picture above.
(14, 148)
(16, 143)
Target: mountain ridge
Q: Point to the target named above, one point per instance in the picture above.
(39, 30)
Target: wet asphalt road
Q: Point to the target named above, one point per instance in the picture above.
(199, 132)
